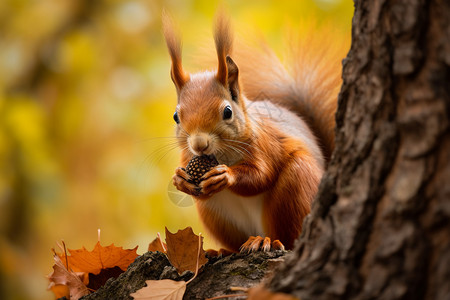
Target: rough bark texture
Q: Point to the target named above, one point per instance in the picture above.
(379, 228)
(215, 278)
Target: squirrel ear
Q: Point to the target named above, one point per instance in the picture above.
(233, 78)
(179, 77)
(223, 40)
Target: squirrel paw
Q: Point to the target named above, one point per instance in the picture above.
(180, 181)
(216, 180)
(257, 243)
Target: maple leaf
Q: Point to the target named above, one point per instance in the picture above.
(62, 276)
(96, 266)
(101, 258)
(165, 289)
(185, 250)
(157, 245)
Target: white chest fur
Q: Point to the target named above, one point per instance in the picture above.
(244, 212)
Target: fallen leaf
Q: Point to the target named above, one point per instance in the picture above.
(101, 258)
(165, 289)
(62, 276)
(59, 290)
(157, 245)
(183, 250)
(96, 267)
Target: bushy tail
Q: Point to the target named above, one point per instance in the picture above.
(307, 83)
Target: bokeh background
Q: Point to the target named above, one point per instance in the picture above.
(86, 129)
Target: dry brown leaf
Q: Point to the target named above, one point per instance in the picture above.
(100, 258)
(183, 250)
(62, 276)
(157, 245)
(165, 289)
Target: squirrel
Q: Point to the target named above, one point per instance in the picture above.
(271, 130)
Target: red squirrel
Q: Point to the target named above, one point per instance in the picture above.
(272, 152)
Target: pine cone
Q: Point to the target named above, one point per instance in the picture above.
(198, 166)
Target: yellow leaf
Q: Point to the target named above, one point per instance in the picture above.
(165, 289)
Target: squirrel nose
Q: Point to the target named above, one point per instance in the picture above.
(199, 143)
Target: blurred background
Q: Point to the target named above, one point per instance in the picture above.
(86, 128)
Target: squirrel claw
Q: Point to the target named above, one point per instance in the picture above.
(277, 245)
(217, 170)
(258, 243)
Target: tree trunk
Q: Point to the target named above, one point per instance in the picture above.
(379, 228)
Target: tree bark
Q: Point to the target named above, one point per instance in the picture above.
(214, 279)
(379, 228)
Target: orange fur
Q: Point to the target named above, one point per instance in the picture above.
(179, 77)
(287, 173)
(272, 164)
(307, 83)
(223, 41)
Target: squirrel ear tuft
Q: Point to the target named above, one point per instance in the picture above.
(223, 40)
(233, 78)
(179, 77)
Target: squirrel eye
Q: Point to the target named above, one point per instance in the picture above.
(175, 117)
(227, 112)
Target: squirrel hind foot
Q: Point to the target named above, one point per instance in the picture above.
(277, 245)
(258, 243)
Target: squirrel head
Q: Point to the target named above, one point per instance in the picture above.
(211, 116)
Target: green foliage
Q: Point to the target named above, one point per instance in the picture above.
(86, 135)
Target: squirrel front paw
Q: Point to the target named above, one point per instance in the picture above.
(182, 183)
(215, 180)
